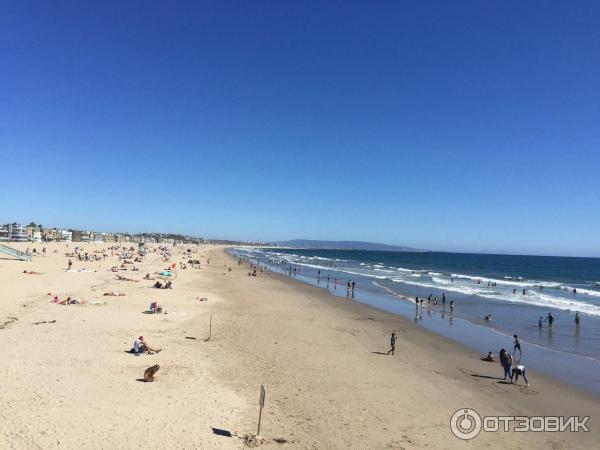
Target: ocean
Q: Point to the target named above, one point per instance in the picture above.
(506, 287)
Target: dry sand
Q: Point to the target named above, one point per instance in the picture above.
(71, 384)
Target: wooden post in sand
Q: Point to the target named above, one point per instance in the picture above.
(262, 404)
(209, 329)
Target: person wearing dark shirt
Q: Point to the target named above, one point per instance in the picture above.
(393, 344)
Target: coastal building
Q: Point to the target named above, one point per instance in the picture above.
(76, 236)
(13, 232)
(34, 234)
(51, 235)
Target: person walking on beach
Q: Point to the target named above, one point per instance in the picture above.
(443, 298)
(70, 263)
(540, 322)
(550, 319)
(506, 363)
(393, 344)
(451, 306)
(577, 320)
(517, 346)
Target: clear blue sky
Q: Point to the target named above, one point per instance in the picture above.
(451, 125)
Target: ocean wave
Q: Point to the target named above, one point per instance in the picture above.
(532, 298)
(508, 281)
(582, 291)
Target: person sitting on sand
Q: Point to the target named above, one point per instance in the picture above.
(141, 346)
(150, 372)
(158, 285)
(155, 308)
(489, 357)
(488, 318)
(169, 285)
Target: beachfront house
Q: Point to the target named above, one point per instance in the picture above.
(51, 235)
(13, 232)
(34, 233)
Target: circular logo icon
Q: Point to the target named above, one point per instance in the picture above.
(465, 424)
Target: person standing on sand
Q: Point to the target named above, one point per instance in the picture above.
(550, 319)
(577, 320)
(540, 322)
(70, 263)
(443, 298)
(451, 306)
(506, 363)
(393, 344)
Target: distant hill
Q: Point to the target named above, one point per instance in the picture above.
(345, 245)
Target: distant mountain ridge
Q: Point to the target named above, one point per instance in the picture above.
(345, 245)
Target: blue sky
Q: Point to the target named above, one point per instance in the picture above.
(462, 126)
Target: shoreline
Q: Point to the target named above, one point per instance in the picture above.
(578, 370)
(353, 303)
(329, 384)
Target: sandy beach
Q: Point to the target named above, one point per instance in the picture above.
(68, 381)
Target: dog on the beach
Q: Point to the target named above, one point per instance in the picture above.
(150, 372)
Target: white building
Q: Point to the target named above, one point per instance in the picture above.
(13, 232)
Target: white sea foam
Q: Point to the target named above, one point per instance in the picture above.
(532, 298)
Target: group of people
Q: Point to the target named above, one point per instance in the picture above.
(431, 301)
(550, 319)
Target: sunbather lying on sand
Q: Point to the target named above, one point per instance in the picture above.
(31, 272)
(150, 372)
(114, 294)
(67, 301)
(122, 278)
